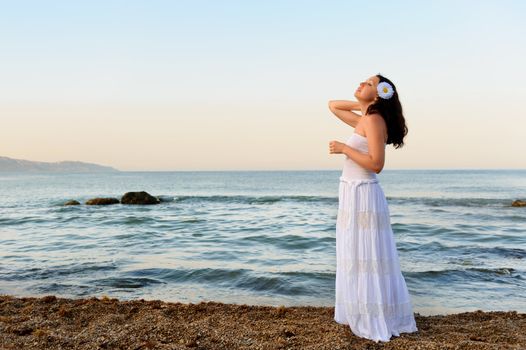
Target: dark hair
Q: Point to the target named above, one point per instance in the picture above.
(391, 111)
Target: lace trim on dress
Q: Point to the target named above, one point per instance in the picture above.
(381, 267)
(366, 220)
(375, 309)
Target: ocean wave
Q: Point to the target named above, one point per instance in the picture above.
(125, 282)
(465, 250)
(57, 272)
(500, 275)
(243, 199)
(452, 202)
(286, 283)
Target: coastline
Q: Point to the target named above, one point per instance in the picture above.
(51, 322)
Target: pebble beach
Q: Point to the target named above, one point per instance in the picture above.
(50, 322)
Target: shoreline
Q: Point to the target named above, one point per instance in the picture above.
(51, 322)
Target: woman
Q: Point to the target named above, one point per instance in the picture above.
(371, 293)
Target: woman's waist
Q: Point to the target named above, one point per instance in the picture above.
(359, 180)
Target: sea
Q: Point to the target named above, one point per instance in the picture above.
(259, 237)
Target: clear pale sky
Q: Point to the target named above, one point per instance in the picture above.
(244, 85)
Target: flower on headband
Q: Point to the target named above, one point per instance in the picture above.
(385, 90)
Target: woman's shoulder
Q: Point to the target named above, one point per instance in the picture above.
(376, 121)
(374, 116)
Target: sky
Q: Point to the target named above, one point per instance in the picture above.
(244, 85)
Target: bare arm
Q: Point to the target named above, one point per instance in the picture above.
(344, 111)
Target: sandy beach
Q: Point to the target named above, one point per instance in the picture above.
(51, 322)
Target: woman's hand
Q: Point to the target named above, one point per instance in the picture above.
(336, 147)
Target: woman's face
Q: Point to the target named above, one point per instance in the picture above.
(366, 92)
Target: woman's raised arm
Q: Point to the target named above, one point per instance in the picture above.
(344, 110)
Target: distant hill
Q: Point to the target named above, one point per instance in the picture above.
(20, 165)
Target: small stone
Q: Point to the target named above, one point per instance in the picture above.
(102, 201)
(49, 298)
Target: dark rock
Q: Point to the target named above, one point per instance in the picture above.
(24, 330)
(73, 202)
(518, 203)
(49, 298)
(139, 198)
(102, 201)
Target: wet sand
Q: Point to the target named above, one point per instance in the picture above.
(102, 323)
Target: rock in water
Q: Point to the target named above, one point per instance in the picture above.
(518, 203)
(139, 198)
(72, 202)
(102, 201)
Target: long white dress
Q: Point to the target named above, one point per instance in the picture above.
(371, 293)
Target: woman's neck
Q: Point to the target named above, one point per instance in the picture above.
(364, 106)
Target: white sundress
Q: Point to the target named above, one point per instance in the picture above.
(371, 293)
